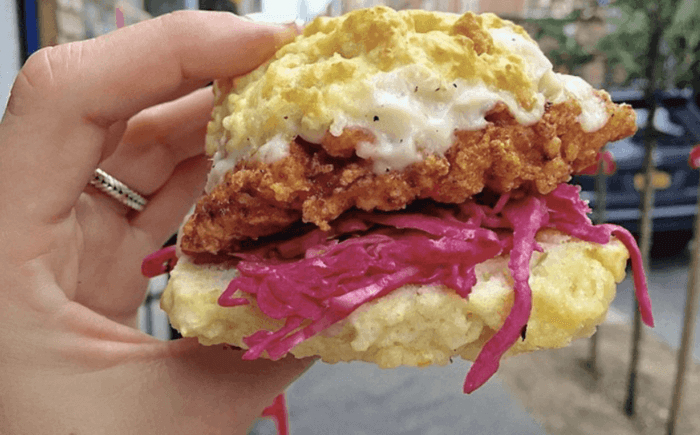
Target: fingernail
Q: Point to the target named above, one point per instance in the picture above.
(286, 35)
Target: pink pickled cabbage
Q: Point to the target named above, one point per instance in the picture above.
(159, 262)
(526, 217)
(336, 278)
(316, 280)
(439, 245)
(278, 412)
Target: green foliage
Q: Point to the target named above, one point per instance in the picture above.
(632, 24)
(628, 41)
(568, 53)
(684, 40)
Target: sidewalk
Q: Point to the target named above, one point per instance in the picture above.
(361, 399)
(548, 392)
(569, 400)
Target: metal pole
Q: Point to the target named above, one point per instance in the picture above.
(592, 364)
(191, 4)
(601, 191)
(634, 362)
(645, 225)
(148, 313)
(647, 201)
(691, 311)
(598, 217)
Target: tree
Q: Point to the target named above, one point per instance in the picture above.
(568, 53)
(684, 39)
(657, 45)
(671, 28)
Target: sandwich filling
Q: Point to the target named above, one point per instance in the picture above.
(388, 148)
(376, 109)
(318, 278)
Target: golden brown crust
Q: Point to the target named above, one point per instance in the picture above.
(338, 59)
(318, 183)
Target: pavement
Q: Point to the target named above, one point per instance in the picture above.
(548, 392)
(361, 399)
(569, 398)
(668, 283)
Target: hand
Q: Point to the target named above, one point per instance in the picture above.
(131, 102)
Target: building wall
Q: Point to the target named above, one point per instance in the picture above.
(9, 49)
(587, 32)
(81, 19)
(458, 6)
(504, 8)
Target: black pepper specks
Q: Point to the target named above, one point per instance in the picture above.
(416, 89)
(454, 84)
(376, 118)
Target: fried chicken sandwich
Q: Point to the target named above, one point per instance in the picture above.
(391, 187)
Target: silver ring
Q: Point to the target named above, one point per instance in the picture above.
(117, 190)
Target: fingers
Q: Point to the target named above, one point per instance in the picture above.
(163, 214)
(139, 384)
(228, 378)
(160, 138)
(115, 76)
(67, 98)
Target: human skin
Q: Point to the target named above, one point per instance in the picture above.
(131, 102)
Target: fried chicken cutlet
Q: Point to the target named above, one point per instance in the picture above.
(318, 183)
(375, 116)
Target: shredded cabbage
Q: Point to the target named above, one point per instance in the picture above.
(438, 245)
(316, 280)
(159, 262)
(526, 217)
(278, 412)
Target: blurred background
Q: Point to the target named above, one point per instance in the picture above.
(625, 380)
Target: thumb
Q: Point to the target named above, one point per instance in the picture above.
(176, 387)
(214, 383)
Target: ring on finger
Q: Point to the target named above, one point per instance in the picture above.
(106, 183)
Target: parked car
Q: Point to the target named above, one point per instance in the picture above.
(677, 122)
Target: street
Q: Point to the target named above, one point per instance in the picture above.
(668, 281)
(359, 398)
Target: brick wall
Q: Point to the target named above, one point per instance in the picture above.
(82, 19)
(69, 21)
(503, 8)
(443, 5)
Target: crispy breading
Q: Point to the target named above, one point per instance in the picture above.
(316, 183)
(334, 65)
